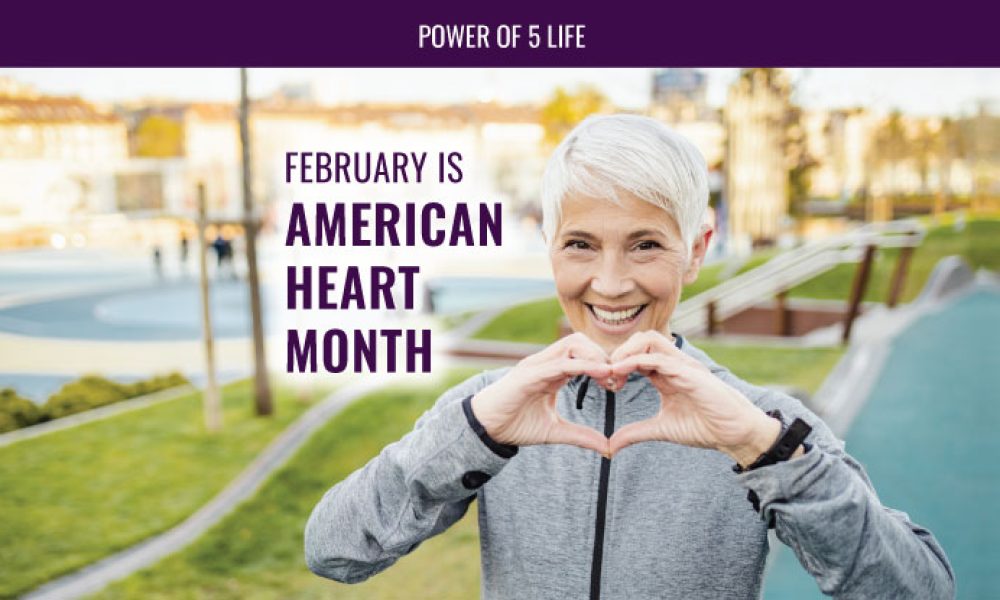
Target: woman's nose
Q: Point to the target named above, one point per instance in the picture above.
(613, 278)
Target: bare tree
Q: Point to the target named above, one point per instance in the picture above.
(262, 385)
(211, 403)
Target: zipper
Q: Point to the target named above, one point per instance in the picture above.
(602, 502)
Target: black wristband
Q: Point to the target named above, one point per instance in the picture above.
(790, 438)
(501, 450)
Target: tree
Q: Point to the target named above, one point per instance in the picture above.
(251, 223)
(800, 162)
(890, 147)
(566, 109)
(924, 149)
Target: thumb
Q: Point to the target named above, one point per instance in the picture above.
(565, 432)
(633, 433)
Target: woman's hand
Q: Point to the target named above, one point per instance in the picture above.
(697, 408)
(520, 407)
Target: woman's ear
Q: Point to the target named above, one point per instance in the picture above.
(698, 251)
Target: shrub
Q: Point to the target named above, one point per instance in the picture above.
(16, 412)
(154, 384)
(92, 391)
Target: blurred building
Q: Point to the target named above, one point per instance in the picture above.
(679, 98)
(33, 126)
(302, 92)
(62, 158)
(680, 94)
(56, 155)
(756, 192)
(500, 144)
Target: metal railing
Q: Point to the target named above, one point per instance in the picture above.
(700, 313)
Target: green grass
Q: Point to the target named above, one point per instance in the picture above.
(979, 244)
(451, 321)
(533, 322)
(74, 496)
(803, 368)
(257, 551)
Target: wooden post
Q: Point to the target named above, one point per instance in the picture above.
(262, 385)
(858, 290)
(783, 317)
(899, 275)
(713, 325)
(210, 397)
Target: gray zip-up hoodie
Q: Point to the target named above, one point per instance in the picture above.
(659, 520)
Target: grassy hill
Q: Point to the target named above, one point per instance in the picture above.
(74, 496)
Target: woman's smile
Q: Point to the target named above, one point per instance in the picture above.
(616, 319)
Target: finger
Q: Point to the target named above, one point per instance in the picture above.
(569, 367)
(671, 349)
(635, 344)
(565, 432)
(558, 348)
(633, 433)
(579, 345)
(672, 376)
(648, 363)
(666, 373)
(643, 342)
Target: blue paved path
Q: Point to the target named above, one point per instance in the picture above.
(149, 312)
(929, 437)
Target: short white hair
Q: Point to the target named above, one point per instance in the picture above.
(631, 153)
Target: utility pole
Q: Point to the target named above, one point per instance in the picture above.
(262, 386)
(210, 397)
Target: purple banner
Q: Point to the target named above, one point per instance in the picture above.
(343, 34)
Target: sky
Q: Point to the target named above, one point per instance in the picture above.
(915, 91)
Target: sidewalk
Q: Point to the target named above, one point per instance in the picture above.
(927, 437)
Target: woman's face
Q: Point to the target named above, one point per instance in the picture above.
(620, 269)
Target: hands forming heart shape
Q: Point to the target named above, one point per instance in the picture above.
(696, 408)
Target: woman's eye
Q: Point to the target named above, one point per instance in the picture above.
(647, 245)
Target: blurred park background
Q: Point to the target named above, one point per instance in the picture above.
(855, 267)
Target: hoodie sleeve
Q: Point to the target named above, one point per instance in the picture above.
(414, 489)
(824, 507)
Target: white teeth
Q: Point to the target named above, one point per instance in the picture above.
(616, 317)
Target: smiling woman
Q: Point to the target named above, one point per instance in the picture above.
(684, 468)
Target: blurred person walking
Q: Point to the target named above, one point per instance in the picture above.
(184, 248)
(158, 262)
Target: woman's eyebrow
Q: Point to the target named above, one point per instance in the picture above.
(577, 233)
(645, 233)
